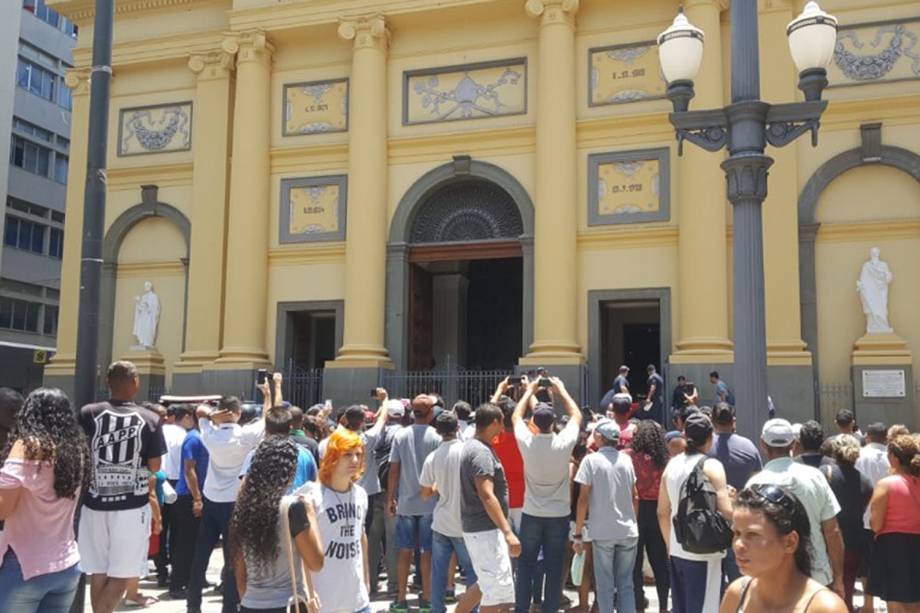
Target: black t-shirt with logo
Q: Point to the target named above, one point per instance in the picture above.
(122, 437)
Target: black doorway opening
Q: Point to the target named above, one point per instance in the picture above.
(630, 336)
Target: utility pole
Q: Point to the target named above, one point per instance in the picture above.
(93, 221)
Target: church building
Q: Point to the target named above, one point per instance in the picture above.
(432, 195)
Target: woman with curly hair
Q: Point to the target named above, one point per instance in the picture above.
(771, 543)
(45, 468)
(895, 566)
(650, 455)
(341, 507)
(260, 549)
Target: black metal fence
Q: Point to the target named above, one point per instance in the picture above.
(473, 386)
(303, 387)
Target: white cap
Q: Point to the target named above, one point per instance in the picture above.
(797, 430)
(394, 408)
(777, 433)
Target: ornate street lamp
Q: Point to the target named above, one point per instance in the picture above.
(745, 127)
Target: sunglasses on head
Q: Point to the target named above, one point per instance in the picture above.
(776, 495)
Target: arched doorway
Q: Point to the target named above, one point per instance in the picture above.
(460, 271)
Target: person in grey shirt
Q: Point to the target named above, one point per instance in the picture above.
(547, 506)
(608, 490)
(413, 513)
(487, 532)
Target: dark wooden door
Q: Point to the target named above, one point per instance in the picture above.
(421, 315)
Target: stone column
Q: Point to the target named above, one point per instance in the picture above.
(363, 354)
(60, 371)
(791, 376)
(555, 335)
(209, 195)
(703, 343)
(243, 346)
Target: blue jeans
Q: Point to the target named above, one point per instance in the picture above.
(613, 573)
(442, 547)
(551, 534)
(215, 525)
(49, 593)
(413, 532)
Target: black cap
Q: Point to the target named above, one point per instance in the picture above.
(697, 427)
(544, 416)
(446, 423)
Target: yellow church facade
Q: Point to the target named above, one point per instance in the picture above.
(373, 192)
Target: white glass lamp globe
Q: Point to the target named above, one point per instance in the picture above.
(812, 37)
(680, 50)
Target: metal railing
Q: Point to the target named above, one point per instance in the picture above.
(303, 387)
(473, 386)
(835, 397)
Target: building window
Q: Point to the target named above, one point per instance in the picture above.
(19, 314)
(65, 98)
(32, 209)
(30, 156)
(32, 77)
(50, 323)
(32, 130)
(61, 163)
(24, 234)
(56, 243)
(57, 217)
(50, 16)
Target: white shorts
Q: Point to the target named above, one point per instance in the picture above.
(113, 543)
(585, 535)
(492, 564)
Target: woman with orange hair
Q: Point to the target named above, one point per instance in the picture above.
(341, 506)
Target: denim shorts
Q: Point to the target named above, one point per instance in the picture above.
(413, 531)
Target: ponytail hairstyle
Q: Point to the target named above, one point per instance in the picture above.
(906, 448)
(785, 512)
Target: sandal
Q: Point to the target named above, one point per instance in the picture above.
(144, 602)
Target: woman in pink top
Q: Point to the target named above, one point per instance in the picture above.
(44, 471)
(895, 519)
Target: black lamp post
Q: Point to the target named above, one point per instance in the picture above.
(746, 126)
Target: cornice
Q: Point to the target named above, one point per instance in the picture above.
(441, 146)
(628, 237)
(310, 158)
(316, 253)
(85, 10)
(868, 230)
(161, 174)
(843, 114)
(647, 127)
(162, 267)
(151, 50)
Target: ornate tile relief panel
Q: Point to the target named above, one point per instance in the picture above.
(624, 73)
(875, 53)
(312, 209)
(155, 129)
(470, 91)
(315, 107)
(628, 187)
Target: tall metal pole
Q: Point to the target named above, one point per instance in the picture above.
(746, 173)
(94, 205)
(93, 222)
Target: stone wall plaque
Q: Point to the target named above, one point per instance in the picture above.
(624, 73)
(313, 209)
(317, 107)
(877, 52)
(160, 128)
(468, 91)
(889, 383)
(628, 187)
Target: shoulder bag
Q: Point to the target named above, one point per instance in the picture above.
(297, 603)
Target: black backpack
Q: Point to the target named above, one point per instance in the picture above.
(698, 525)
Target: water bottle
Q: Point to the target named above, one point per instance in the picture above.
(578, 567)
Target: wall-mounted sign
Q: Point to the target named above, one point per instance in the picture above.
(469, 91)
(876, 52)
(624, 73)
(628, 187)
(884, 383)
(313, 209)
(317, 107)
(160, 128)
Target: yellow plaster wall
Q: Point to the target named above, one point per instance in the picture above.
(151, 251)
(866, 207)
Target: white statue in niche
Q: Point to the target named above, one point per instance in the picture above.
(146, 317)
(873, 290)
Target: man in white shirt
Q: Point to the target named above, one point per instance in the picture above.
(441, 476)
(873, 463)
(179, 420)
(814, 492)
(228, 444)
(547, 496)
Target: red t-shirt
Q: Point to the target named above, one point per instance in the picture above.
(648, 475)
(506, 448)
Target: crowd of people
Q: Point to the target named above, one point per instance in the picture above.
(519, 499)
